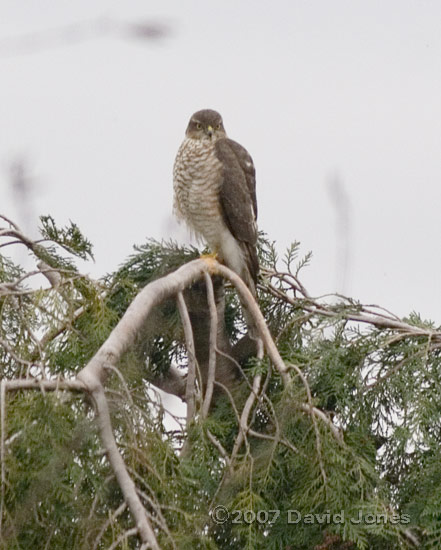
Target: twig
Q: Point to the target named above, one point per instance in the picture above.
(122, 380)
(43, 385)
(254, 310)
(212, 344)
(52, 275)
(243, 423)
(124, 536)
(268, 437)
(21, 238)
(294, 282)
(254, 394)
(11, 223)
(107, 523)
(236, 412)
(219, 447)
(191, 374)
(366, 316)
(159, 520)
(314, 411)
(53, 333)
(14, 356)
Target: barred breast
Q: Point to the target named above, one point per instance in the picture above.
(197, 175)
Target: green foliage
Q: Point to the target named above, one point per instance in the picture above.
(70, 238)
(50, 476)
(380, 388)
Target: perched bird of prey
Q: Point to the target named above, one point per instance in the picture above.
(214, 184)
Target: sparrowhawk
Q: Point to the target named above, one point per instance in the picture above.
(215, 193)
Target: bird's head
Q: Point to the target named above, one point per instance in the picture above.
(206, 124)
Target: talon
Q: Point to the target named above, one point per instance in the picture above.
(209, 259)
(212, 256)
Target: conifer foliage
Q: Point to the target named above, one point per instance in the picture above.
(324, 435)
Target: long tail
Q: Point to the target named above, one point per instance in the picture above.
(249, 276)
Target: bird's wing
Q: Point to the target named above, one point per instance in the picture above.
(238, 196)
(238, 190)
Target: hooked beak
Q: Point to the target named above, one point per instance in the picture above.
(210, 130)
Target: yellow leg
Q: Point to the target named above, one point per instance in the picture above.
(211, 256)
(209, 260)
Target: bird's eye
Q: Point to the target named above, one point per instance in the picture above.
(218, 127)
(198, 125)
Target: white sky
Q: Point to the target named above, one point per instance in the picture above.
(316, 90)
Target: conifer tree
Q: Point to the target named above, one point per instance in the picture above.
(324, 434)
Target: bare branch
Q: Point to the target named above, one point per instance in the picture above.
(218, 446)
(43, 385)
(124, 334)
(191, 373)
(243, 423)
(212, 348)
(254, 310)
(52, 275)
(124, 480)
(21, 238)
(364, 315)
(11, 223)
(2, 449)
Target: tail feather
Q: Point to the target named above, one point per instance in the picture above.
(252, 262)
(249, 276)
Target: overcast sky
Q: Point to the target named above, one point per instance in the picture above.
(338, 102)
